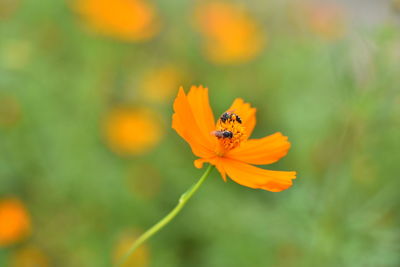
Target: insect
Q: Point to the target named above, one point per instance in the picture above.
(223, 134)
(230, 116)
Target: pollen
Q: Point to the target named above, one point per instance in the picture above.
(229, 123)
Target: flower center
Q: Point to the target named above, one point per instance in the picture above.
(229, 132)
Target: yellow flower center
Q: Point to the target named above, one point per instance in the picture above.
(229, 132)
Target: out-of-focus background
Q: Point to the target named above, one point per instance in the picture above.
(88, 159)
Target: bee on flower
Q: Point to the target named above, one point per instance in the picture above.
(226, 144)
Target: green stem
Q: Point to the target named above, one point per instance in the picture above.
(164, 221)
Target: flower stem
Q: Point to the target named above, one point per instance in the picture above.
(164, 221)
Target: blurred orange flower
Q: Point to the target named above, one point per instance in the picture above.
(225, 144)
(131, 131)
(128, 20)
(140, 258)
(14, 221)
(159, 84)
(231, 35)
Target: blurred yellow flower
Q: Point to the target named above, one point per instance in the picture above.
(29, 257)
(132, 131)
(158, 85)
(141, 256)
(326, 21)
(14, 221)
(127, 20)
(231, 34)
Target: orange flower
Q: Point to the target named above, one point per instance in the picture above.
(225, 144)
(128, 20)
(231, 34)
(14, 221)
(132, 131)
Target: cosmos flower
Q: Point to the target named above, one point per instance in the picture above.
(127, 20)
(231, 35)
(226, 144)
(14, 221)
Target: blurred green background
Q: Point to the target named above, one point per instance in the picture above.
(86, 147)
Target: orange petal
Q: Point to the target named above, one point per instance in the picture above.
(221, 170)
(262, 151)
(185, 124)
(198, 163)
(246, 113)
(198, 100)
(253, 177)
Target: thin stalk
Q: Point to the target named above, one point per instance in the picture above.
(164, 221)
